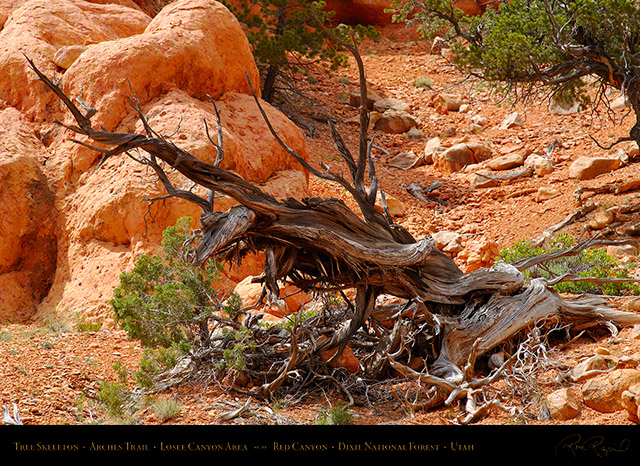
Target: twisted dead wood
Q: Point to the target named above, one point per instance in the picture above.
(320, 244)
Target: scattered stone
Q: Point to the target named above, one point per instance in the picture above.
(589, 368)
(390, 103)
(496, 360)
(514, 119)
(65, 56)
(372, 98)
(604, 393)
(415, 134)
(449, 132)
(563, 404)
(631, 402)
(587, 168)
(405, 160)
(464, 108)
(601, 219)
(394, 205)
(540, 165)
(620, 103)
(448, 241)
(557, 107)
(431, 147)
(546, 193)
(444, 103)
(479, 120)
(477, 254)
(473, 128)
(395, 122)
(633, 150)
(508, 161)
(291, 298)
(624, 250)
(482, 179)
(347, 359)
(458, 156)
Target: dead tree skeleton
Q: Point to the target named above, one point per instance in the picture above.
(320, 244)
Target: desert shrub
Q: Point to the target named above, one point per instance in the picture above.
(166, 301)
(595, 263)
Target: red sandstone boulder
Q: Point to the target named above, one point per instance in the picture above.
(174, 62)
(38, 28)
(27, 229)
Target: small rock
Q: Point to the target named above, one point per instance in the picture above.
(405, 160)
(496, 360)
(395, 122)
(589, 368)
(625, 250)
(546, 193)
(587, 168)
(347, 359)
(563, 404)
(540, 165)
(458, 156)
(444, 103)
(393, 204)
(464, 108)
(430, 148)
(514, 119)
(482, 179)
(557, 107)
(473, 128)
(454, 158)
(631, 402)
(415, 134)
(449, 132)
(604, 393)
(448, 241)
(390, 103)
(507, 162)
(620, 103)
(478, 253)
(601, 219)
(372, 98)
(479, 120)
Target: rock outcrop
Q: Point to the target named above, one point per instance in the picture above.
(78, 226)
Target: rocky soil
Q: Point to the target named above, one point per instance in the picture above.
(52, 367)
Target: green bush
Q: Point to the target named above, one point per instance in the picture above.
(595, 263)
(165, 301)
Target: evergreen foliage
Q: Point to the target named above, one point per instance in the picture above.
(555, 43)
(590, 263)
(165, 301)
(286, 39)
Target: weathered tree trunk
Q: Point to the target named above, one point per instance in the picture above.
(320, 244)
